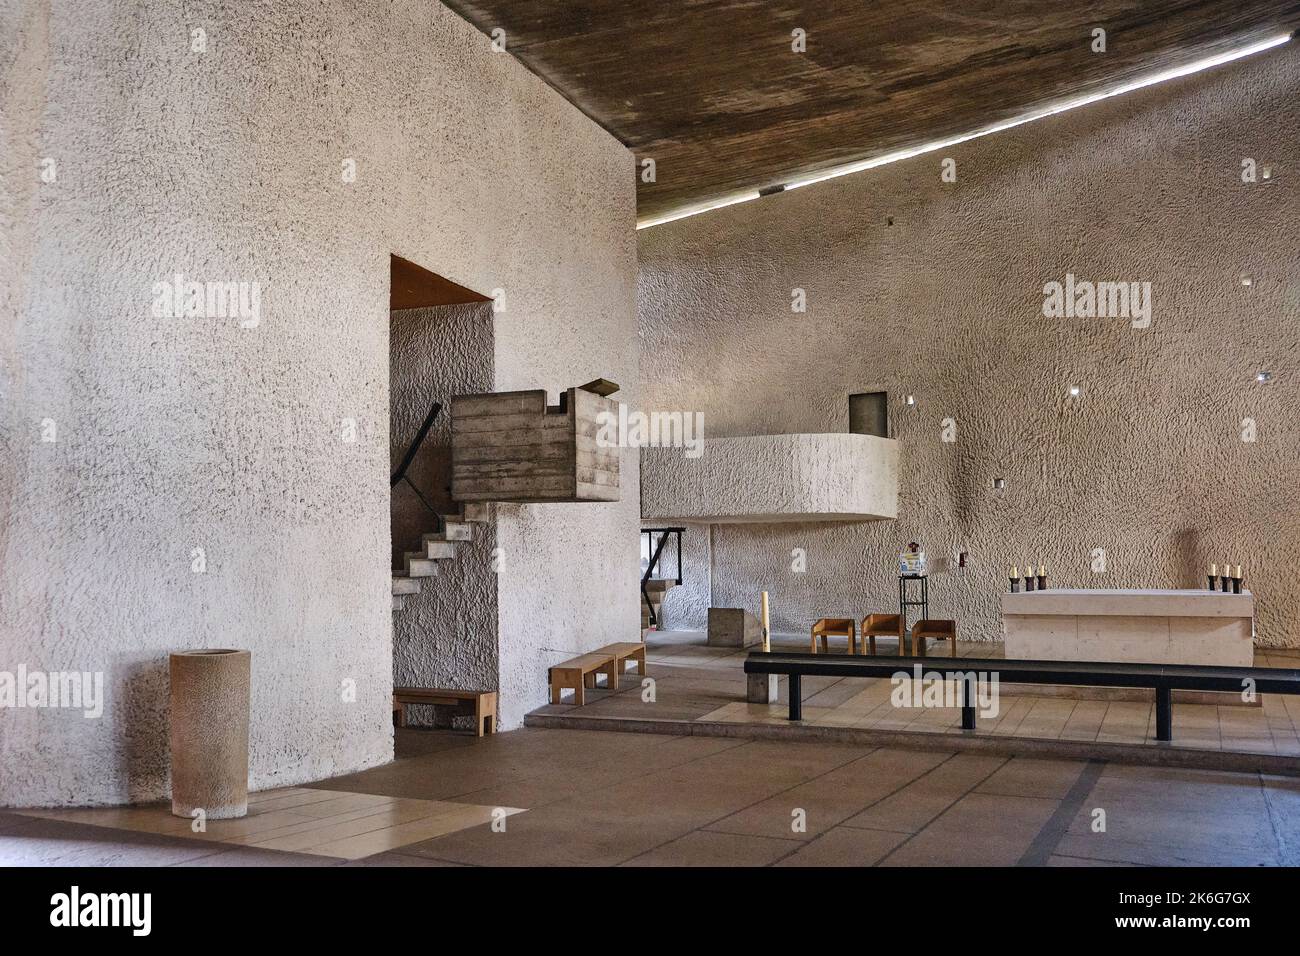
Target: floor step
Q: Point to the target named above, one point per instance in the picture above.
(455, 529)
(660, 585)
(419, 565)
(399, 602)
(437, 549)
(476, 511)
(404, 584)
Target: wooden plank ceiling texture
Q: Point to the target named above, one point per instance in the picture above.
(714, 93)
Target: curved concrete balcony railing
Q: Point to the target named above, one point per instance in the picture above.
(808, 477)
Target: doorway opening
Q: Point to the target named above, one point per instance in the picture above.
(440, 344)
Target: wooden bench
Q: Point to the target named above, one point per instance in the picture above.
(484, 704)
(1164, 679)
(625, 653)
(580, 672)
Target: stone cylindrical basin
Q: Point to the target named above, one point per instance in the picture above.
(209, 732)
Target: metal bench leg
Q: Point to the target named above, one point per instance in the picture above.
(796, 697)
(1164, 713)
(967, 705)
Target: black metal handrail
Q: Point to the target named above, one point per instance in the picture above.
(655, 553)
(400, 474)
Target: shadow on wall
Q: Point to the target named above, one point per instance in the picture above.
(146, 728)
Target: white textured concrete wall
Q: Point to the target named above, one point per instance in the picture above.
(824, 477)
(945, 303)
(177, 434)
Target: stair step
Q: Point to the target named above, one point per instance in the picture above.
(660, 585)
(399, 602)
(404, 584)
(420, 566)
(476, 511)
(437, 549)
(454, 530)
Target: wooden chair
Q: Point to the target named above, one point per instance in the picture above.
(883, 625)
(833, 627)
(924, 630)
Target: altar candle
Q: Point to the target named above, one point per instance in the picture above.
(1238, 574)
(1214, 570)
(1015, 572)
(767, 638)
(1029, 571)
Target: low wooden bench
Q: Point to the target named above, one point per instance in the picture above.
(580, 672)
(484, 704)
(625, 653)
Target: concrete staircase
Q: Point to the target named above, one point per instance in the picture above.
(657, 588)
(437, 548)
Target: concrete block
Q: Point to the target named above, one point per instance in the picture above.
(733, 627)
(761, 688)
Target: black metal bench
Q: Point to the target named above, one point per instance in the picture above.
(1164, 679)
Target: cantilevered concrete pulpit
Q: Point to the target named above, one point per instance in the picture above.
(1146, 626)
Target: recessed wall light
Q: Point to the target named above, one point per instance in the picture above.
(910, 400)
(1266, 172)
(1247, 281)
(1074, 391)
(999, 484)
(1264, 376)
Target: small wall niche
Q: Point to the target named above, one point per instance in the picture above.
(869, 414)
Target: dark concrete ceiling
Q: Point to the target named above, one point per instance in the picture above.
(713, 92)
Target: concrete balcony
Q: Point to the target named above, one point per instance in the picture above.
(510, 446)
(765, 478)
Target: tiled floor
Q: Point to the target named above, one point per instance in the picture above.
(695, 682)
(327, 823)
(605, 798)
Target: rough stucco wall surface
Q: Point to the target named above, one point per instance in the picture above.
(772, 478)
(1148, 463)
(178, 434)
(445, 636)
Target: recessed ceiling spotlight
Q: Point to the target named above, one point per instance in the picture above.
(1247, 281)
(1264, 376)
(910, 400)
(1074, 391)
(999, 484)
